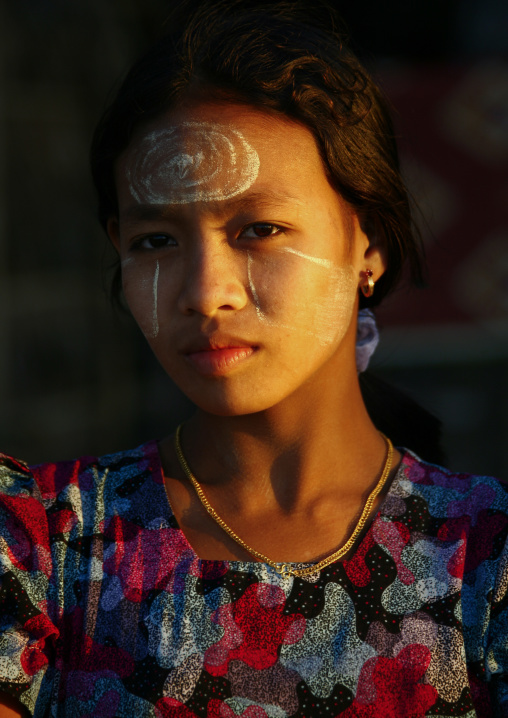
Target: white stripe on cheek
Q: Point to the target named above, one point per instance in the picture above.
(317, 260)
(259, 311)
(155, 318)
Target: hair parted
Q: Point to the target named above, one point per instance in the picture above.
(286, 58)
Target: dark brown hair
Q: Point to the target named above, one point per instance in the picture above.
(288, 58)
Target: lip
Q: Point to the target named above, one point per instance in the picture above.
(216, 356)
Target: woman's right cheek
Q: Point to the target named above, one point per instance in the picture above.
(141, 289)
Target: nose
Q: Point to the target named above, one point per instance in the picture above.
(213, 281)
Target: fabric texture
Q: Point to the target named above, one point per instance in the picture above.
(105, 609)
(367, 339)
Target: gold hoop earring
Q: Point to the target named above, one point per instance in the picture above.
(368, 289)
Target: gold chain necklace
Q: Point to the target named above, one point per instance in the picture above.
(286, 569)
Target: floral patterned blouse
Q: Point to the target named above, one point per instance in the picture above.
(106, 610)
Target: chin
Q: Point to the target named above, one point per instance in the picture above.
(230, 406)
(223, 399)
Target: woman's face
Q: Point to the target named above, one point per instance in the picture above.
(240, 263)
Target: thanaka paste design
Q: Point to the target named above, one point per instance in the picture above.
(192, 162)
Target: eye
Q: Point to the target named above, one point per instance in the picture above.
(154, 241)
(261, 229)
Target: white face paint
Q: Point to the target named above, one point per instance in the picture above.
(317, 260)
(286, 308)
(191, 162)
(334, 313)
(142, 282)
(255, 298)
(155, 291)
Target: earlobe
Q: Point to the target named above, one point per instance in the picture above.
(374, 265)
(375, 260)
(114, 232)
(374, 255)
(368, 287)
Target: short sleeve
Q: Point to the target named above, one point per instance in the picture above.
(27, 633)
(497, 648)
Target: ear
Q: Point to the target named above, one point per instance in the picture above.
(113, 231)
(375, 255)
(376, 260)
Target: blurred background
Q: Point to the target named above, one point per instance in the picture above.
(77, 377)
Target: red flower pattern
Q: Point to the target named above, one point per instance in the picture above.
(395, 682)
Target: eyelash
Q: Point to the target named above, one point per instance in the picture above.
(138, 243)
(279, 230)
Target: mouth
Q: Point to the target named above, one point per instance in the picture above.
(212, 356)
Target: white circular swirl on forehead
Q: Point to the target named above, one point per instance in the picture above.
(191, 162)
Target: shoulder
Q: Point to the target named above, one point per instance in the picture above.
(48, 480)
(451, 494)
(44, 505)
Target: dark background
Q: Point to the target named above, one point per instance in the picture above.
(76, 377)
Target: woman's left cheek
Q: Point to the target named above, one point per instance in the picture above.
(141, 290)
(302, 294)
(333, 310)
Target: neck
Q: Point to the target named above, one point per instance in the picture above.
(276, 455)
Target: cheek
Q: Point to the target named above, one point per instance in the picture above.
(303, 295)
(333, 309)
(141, 290)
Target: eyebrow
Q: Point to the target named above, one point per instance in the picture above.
(147, 211)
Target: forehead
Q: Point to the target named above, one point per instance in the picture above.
(209, 152)
(268, 131)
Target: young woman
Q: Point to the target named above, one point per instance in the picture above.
(276, 556)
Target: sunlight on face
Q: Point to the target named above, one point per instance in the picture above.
(230, 233)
